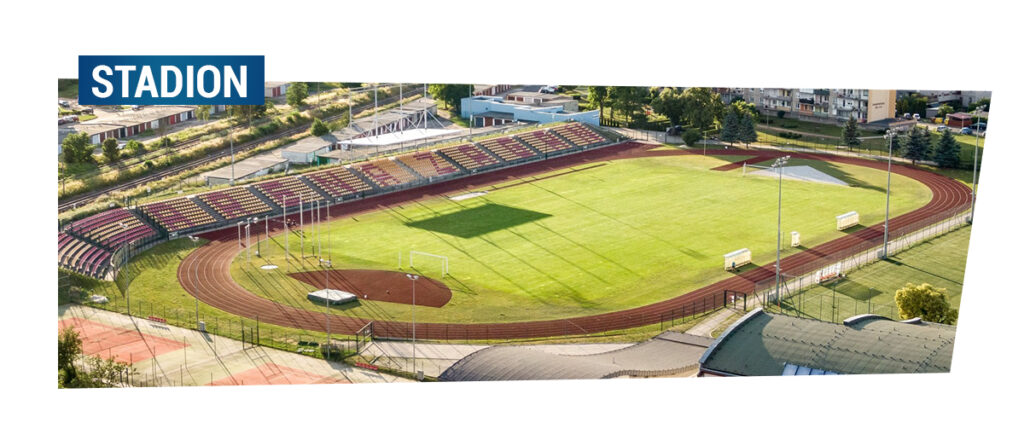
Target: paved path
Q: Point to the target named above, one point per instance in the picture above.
(708, 325)
(165, 355)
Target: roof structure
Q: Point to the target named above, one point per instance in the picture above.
(764, 344)
(126, 118)
(247, 167)
(667, 353)
(312, 143)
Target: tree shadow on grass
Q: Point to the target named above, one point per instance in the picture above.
(477, 221)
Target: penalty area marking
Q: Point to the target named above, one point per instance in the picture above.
(466, 196)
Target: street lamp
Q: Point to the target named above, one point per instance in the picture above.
(778, 165)
(127, 287)
(974, 175)
(889, 134)
(413, 278)
(326, 264)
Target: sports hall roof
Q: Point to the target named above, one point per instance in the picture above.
(667, 353)
(764, 344)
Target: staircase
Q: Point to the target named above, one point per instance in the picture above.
(209, 209)
(264, 198)
(462, 169)
(316, 188)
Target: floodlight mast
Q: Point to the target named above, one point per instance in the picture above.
(778, 165)
(890, 134)
(413, 278)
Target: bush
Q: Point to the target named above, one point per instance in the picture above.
(790, 135)
(691, 137)
(789, 125)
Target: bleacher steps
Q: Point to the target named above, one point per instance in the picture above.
(563, 138)
(528, 147)
(259, 195)
(462, 169)
(366, 179)
(311, 184)
(489, 152)
(408, 168)
(209, 209)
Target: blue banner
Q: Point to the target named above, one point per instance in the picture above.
(170, 79)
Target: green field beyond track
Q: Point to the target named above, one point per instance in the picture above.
(595, 238)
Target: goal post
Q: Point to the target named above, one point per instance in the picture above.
(442, 258)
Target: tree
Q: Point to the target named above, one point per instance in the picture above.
(69, 347)
(319, 128)
(110, 150)
(947, 150)
(133, 147)
(691, 137)
(703, 107)
(76, 148)
(203, 112)
(916, 146)
(248, 112)
(983, 103)
(926, 302)
(781, 114)
(670, 103)
(731, 128)
(296, 94)
(628, 100)
(451, 94)
(747, 133)
(851, 134)
(944, 110)
(912, 103)
(99, 373)
(597, 96)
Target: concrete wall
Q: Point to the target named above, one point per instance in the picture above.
(881, 105)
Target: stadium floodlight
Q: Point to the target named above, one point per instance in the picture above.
(889, 134)
(974, 174)
(778, 165)
(127, 286)
(413, 278)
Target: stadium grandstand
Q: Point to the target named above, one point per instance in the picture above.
(235, 203)
(469, 156)
(87, 245)
(507, 148)
(288, 191)
(385, 173)
(338, 182)
(428, 164)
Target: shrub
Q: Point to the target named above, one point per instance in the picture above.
(790, 135)
(691, 137)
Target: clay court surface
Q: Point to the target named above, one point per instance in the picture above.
(214, 284)
(380, 285)
(120, 344)
(164, 355)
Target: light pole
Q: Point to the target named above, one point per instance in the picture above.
(974, 174)
(326, 264)
(778, 165)
(413, 278)
(127, 286)
(889, 134)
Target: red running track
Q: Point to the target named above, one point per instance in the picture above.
(205, 273)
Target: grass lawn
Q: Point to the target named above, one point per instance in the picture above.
(806, 126)
(596, 238)
(871, 289)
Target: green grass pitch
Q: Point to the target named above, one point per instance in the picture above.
(595, 238)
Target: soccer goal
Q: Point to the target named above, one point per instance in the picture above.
(443, 259)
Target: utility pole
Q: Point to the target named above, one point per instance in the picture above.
(974, 174)
(778, 165)
(888, 182)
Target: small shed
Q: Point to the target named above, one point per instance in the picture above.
(959, 120)
(307, 149)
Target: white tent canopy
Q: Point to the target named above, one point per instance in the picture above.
(399, 137)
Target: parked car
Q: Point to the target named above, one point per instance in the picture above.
(549, 89)
(63, 103)
(941, 128)
(674, 130)
(966, 130)
(980, 126)
(917, 116)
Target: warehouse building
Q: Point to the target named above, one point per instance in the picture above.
(275, 89)
(765, 344)
(246, 169)
(129, 123)
(307, 149)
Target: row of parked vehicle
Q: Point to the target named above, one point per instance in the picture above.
(979, 127)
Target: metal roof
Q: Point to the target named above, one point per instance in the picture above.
(667, 353)
(762, 344)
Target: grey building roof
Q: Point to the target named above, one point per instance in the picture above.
(667, 353)
(312, 143)
(763, 344)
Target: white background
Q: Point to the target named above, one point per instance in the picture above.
(865, 44)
